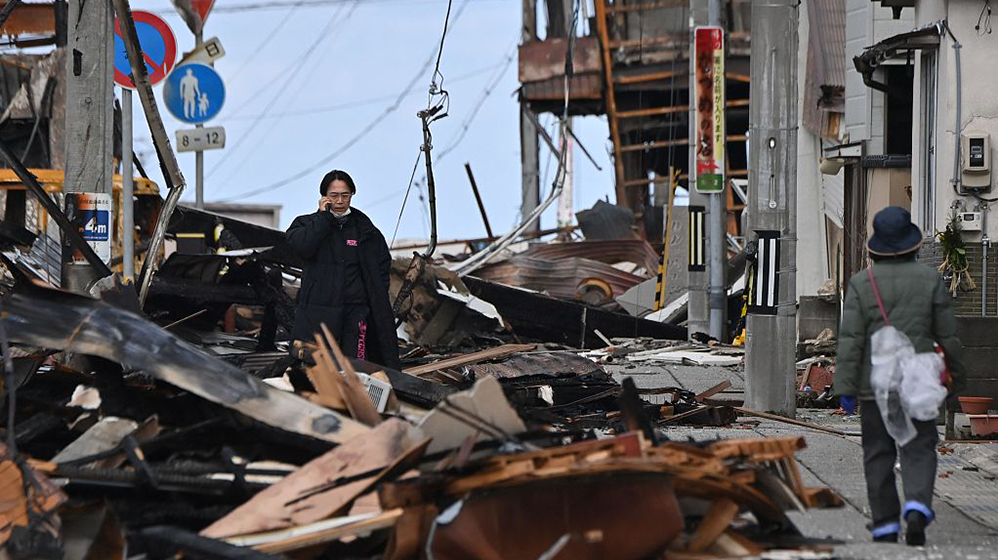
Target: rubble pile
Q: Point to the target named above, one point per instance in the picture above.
(124, 437)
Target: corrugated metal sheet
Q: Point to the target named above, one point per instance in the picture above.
(824, 83)
(558, 278)
(637, 251)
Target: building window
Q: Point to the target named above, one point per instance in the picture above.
(927, 142)
(898, 108)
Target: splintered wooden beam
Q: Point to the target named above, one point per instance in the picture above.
(722, 512)
(785, 420)
(354, 394)
(472, 358)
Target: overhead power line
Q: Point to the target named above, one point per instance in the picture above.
(286, 82)
(355, 104)
(360, 135)
(486, 92)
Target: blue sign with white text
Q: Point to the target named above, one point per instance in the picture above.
(96, 225)
(194, 93)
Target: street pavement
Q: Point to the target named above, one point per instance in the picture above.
(966, 503)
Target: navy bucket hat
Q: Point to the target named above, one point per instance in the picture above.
(893, 233)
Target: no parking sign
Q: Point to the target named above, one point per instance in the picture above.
(158, 44)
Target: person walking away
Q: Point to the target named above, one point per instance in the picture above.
(347, 276)
(914, 299)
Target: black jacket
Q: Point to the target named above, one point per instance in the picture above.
(311, 237)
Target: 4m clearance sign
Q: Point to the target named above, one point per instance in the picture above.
(708, 93)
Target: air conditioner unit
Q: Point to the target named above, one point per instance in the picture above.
(378, 390)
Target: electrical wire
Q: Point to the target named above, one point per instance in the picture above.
(355, 104)
(398, 222)
(359, 136)
(486, 92)
(266, 42)
(983, 26)
(286, 83)
(479, 259)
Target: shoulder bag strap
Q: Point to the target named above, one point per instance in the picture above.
(876, 294)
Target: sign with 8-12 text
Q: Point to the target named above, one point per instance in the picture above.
(200, 139)
(708, 93)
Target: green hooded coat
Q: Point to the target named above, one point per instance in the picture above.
(917, 304)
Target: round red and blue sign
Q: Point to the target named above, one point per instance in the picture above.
(158, 44)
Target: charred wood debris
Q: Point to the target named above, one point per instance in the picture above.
(189, 425)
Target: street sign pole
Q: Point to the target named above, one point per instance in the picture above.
(716, 211)
(127, 187)
(199, 155)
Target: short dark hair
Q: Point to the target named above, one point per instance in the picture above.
(336, 175)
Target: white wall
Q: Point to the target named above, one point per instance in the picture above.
(979, 101)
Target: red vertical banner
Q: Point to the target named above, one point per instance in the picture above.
(708, 94)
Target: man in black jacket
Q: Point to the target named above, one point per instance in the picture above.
(347, 274)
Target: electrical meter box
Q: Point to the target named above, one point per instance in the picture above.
(970, 221)
(976, 151)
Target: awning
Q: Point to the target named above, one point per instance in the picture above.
(925, 37)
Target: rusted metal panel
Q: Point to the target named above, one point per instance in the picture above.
(636, 251)
(566, 516)
(584, 87)
(33, 19)
(541, 60)
(560, 278)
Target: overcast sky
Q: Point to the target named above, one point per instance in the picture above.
(304, 81)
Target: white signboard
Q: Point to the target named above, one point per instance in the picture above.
(200, 139)
(205, 53)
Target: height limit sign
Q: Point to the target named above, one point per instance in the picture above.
(91, 213)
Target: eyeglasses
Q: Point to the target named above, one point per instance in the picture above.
(339, 196)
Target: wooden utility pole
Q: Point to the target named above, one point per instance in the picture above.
(529, 159)
(89, 98)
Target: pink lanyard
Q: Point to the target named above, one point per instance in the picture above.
(876, 294)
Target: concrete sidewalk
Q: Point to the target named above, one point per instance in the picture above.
(966, 489)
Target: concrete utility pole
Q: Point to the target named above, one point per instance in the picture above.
(770, 370)
(697, 309)
(89, 114)
(529, 159)
(716, 213)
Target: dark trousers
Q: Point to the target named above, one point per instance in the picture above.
(351, 329)
(918, 467)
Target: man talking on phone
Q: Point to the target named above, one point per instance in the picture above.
(347, 275)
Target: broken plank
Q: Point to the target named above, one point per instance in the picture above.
(322, 532)
(326, 379)
(353, 389)
(282, 504)
(722, 512)
(62, 321)
(686, 414)
(713, 390)
(472, 358)
(778, 418)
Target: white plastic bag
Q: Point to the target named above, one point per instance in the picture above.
(890, 349)
(921, 392)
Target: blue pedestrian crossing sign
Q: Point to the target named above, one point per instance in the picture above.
(194, 93)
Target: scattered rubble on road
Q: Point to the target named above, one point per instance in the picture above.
(194, 428)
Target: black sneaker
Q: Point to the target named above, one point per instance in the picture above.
(889, 537)
(917, 522)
